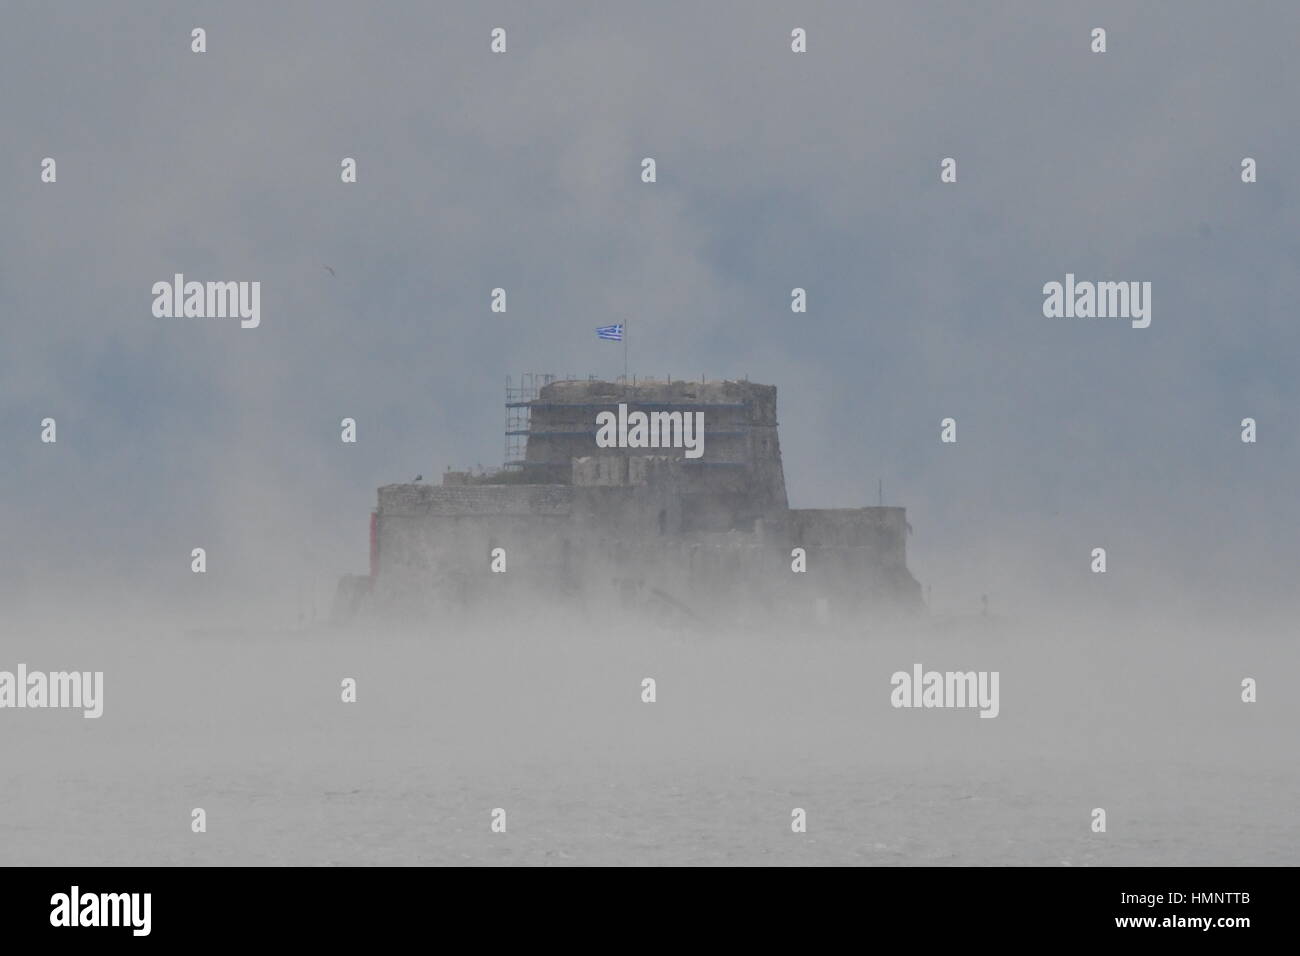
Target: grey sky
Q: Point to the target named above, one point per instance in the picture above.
(775, 171)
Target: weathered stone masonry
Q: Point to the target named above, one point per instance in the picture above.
(707, 538)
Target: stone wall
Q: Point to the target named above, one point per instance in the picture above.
(702, 539)
(422, 499)
(880, 530)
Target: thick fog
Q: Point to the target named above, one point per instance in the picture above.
(821, 170)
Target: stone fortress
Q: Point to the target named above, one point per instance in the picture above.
(709, 539)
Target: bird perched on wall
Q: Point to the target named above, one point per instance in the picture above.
(419, 477)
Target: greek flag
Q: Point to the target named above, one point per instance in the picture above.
(612, 332)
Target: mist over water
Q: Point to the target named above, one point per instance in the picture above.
(820, 171)
(543, 717)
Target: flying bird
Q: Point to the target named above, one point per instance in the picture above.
(329, 269)
(419, 477)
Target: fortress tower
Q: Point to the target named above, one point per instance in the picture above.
(739, 477)
(704, 536)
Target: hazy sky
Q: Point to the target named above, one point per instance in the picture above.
(775, 170)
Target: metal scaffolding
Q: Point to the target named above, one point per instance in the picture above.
(519, 415)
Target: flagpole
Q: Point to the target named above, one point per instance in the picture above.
(626, 323)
